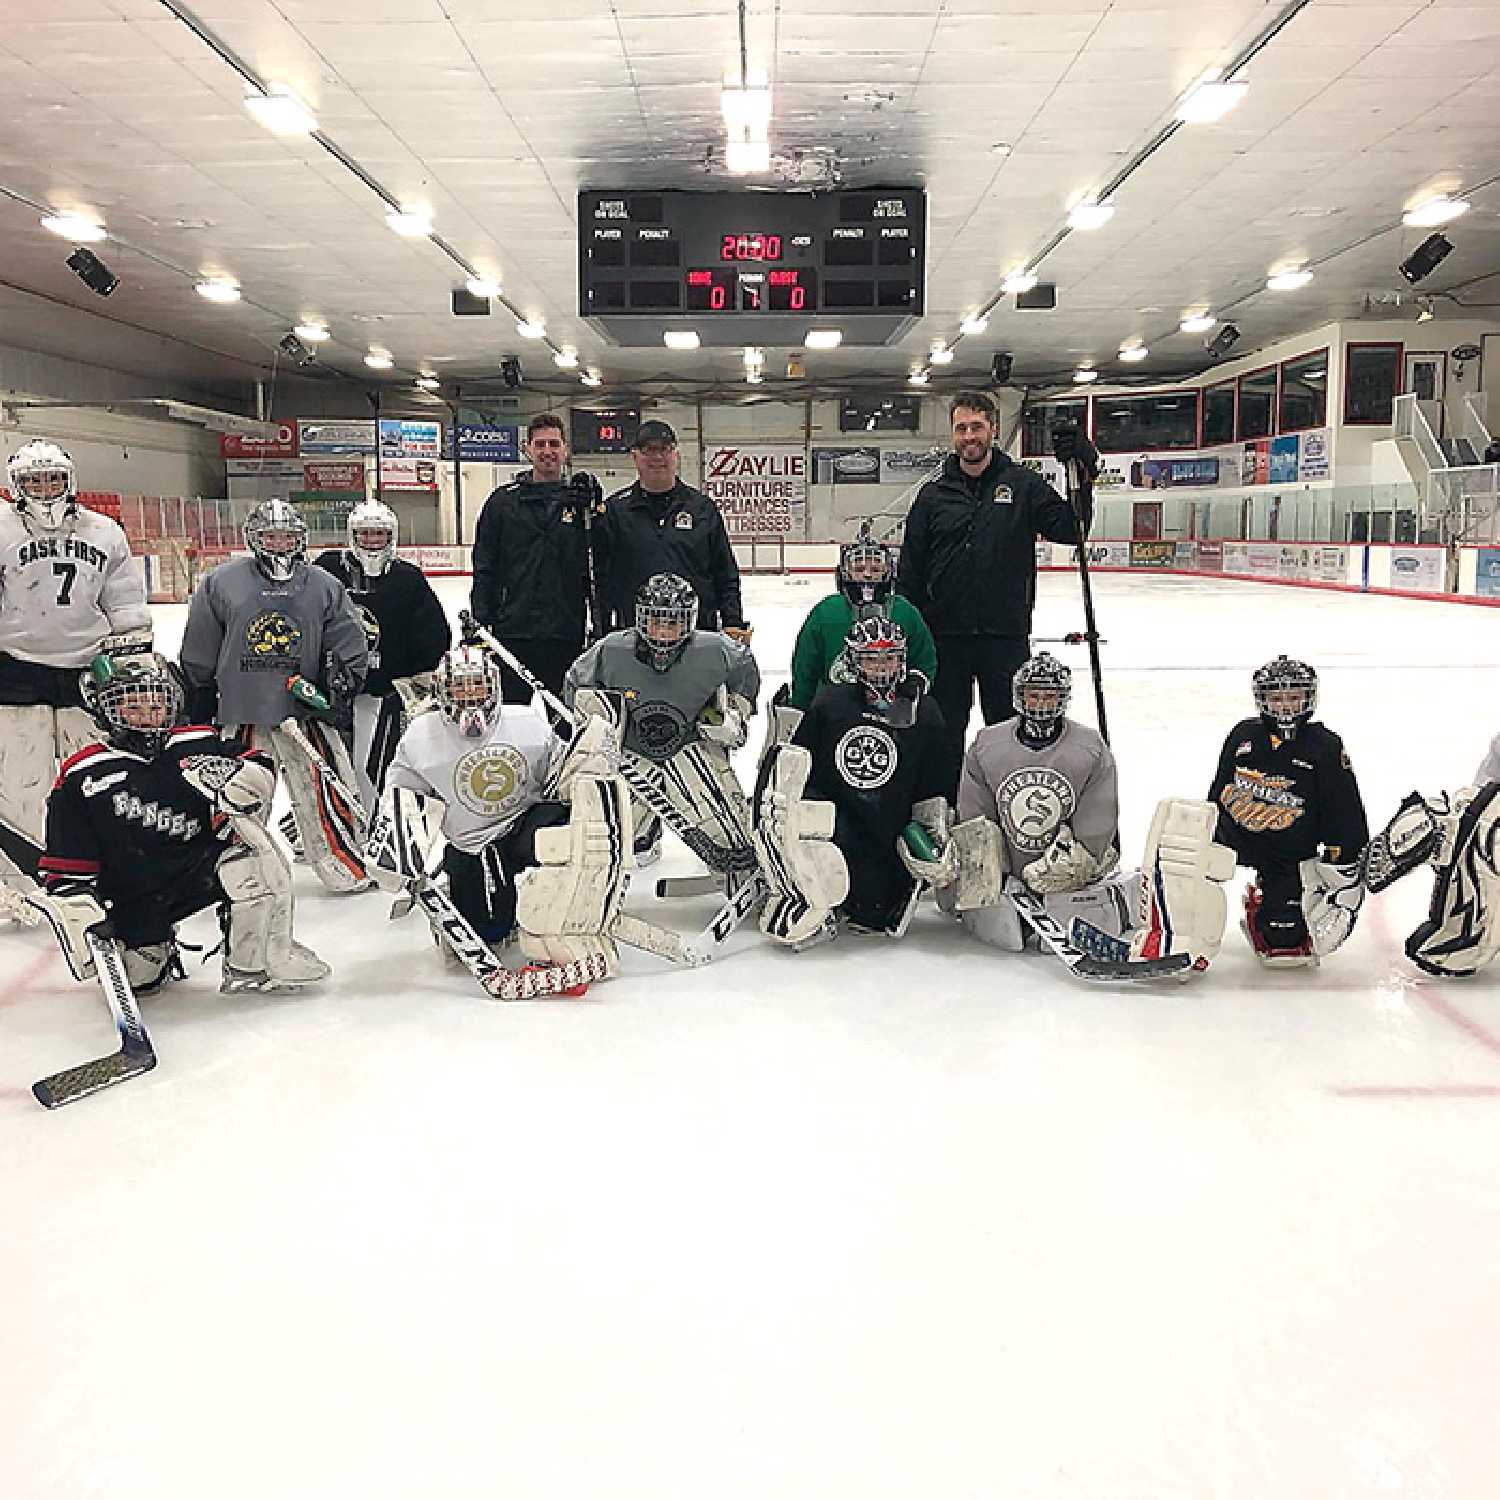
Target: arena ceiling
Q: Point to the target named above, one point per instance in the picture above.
(494, 113)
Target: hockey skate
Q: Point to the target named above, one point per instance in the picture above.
(1300, 957)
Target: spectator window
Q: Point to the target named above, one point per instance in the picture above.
(1372, 379)
(1218, 415)
(1304, 393)
(1036, 430)
(1257, 403)
(1128, 424)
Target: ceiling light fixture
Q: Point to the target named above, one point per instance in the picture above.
(483, 286)
(754, 376)
(427, 382)
(92, 271)
(1085, 377)
(312, 333)
(1290, 280)
(409, 222)
(217, 289)
(747, 109)
(681, 338)
(75, 227)
(1198, 322)
(755, 359)
(532, 328)
(746, 157)
(1426, 314)
(917, 377)
(941, 355)
(591, 378)
(823, 338)
(1090, 215)
(1019, 281)
(1434, 211)
(1209, 99)
(974, 324)
(566, 359)
(378, 359)
(281, 112)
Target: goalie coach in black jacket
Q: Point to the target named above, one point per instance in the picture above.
(968, 561)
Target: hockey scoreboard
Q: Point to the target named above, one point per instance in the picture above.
(753, 268)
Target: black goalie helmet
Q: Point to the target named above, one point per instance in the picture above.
(135, 700)
(1286, 694)
(666, 610)
(1040, 692)
(866, 571)
(875, 650)
(276, 535)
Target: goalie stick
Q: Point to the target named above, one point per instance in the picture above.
(136, 1054)
(1105, 966)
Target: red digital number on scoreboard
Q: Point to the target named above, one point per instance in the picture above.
(739, 247)
(710, 291)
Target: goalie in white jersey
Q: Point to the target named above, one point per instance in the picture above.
(1039, 813)
(68, 589)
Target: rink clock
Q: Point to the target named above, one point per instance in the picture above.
(752, 268)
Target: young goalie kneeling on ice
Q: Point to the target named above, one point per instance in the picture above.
(1039, 841)
(537, 835)
(158, 822)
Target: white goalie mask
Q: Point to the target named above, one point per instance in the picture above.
(466, 687)
(43, 483)
(373, 529)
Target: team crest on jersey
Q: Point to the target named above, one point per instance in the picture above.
(661, 728)
(866, 757)
(1002, 495)
(569, 516)
(488, 780)
(684, 521)
(166, 821)
(272, 641)
(1031, 803)
(1243, 748)
(1261, 803)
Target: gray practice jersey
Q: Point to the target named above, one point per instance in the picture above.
(246, 635)
(662, 708)
(62, 592)
(485, 784)
(1030, 792)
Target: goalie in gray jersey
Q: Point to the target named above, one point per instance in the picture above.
(1039, 812)
(687, 697)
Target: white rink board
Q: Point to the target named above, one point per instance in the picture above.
(878, 1221)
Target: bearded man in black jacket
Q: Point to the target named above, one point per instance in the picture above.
(968, 561)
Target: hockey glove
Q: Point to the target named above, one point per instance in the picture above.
(242, 788)
(1070, 444)
(587, 490)
(926, 845)
(1410, 839)
(1065, 865)
(726, 722)
(72, 909)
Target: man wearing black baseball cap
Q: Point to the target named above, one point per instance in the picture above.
(661, 525)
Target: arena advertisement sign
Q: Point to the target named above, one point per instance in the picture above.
(499, 444)
(408, 474)
(760, 488)
(1173, 473)
(1100, 555)
(1315, 456)
(906, 465)
(333, 476)
(1282, 460)
(1152, 554)
(1487, 573)
(846, 465)
(1210, 557)
(1255, 465)
(318, 437)
(240, 446)
(1417, 568)
(403, 438)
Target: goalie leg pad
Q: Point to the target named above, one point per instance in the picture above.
(401, 838)
(259, 952)
(567, 902)
(1462, 931)
(326, 822)
(805, 870)
(28, 766)
(1108, 905)
(1182, 906)
(75, 730)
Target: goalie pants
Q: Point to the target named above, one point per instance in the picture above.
(483, 885)
(548, 659)
(879, 884)
(1282, 924)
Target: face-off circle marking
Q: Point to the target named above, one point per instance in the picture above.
(865, 757)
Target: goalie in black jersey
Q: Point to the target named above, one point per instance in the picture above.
(1290, 808)
(160, 821)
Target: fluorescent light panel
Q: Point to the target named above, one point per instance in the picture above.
(1211, 100)
(75, 227)
(823, 338)
(281, 112)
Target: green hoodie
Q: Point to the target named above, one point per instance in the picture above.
(820, 644)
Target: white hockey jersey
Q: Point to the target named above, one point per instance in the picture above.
(485, 784)
(62, 592)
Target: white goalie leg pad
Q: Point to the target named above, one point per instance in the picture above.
(259, 951)
(402, 837)
(1110, 905)
(327, 824)
(1462, 931)
(1182, 906)
(803, 867)
(366, 717)
(28, 767)
(75, 730)
(567, 903)
(594, 750)
(71, 917)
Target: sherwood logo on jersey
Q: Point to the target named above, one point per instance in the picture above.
(865, 756)
(1032, 802)
(166, 821)
(488, 780)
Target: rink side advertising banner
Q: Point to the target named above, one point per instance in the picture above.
(760, 488)
(319, 438)
(239, 445)
(403, 438)
(859, 465)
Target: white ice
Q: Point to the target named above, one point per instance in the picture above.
(879, 1221)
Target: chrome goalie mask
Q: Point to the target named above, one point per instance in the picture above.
(276, 535)
(43, 483)
(373, 529)
(466, 687)
(875, 650)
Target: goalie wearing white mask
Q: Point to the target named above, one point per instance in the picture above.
(1039, 831)
(160, 821)
(405, 629)
(68, 588)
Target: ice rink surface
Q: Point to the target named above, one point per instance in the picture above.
(879, 1221)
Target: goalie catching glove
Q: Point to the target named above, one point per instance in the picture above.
(239, 788)
(926, 845)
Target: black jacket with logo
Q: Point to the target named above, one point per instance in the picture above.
(403, 618)
(531, 563)
(968, 562)
(1282, 801)
(680, 531)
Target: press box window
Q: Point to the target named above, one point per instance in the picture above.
(1304, 393)
(1125, 424)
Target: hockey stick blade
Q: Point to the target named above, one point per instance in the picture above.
(537, 981)
(1056, 939)
(136, 1055)
(672, 887)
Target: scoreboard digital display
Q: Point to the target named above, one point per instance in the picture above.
(604, 430)
(760, 264)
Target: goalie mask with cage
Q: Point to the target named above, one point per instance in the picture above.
(373, 529)
(1286, 693)
(43, 483)
(136, 700)
(276, 535)
(875, 651)
(666, 610)
(866, 571)
(466, 687)
(1040, 692)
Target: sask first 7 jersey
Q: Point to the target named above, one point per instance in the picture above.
(62, 592)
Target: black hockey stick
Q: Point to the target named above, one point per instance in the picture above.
(1091, 627)
(1060, 943)
(136, 1054)
(597, 625)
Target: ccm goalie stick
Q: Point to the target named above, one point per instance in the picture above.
(1089, 959)
(136, 1054)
